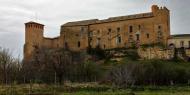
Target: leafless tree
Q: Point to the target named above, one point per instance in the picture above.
(6, 61)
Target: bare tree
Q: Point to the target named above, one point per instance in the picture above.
(6, 61)
(55, 60)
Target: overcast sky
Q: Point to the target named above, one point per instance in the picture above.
(53, 13)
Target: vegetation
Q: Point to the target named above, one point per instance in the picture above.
(60, 70)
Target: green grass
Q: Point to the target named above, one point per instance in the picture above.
(92, 89)
(127, 93)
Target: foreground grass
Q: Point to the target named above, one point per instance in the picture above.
(128, 93)
(91, 89)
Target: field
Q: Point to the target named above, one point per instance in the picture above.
(91, 89)
(127, 93)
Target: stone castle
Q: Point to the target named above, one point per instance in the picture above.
(115, 32)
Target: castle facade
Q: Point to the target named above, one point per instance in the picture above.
(114, 32)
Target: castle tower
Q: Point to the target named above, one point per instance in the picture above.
(33, 37)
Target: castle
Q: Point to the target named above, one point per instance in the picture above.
(115, 32)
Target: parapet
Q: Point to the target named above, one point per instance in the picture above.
(32, 24)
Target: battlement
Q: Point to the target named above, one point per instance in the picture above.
(32, 24)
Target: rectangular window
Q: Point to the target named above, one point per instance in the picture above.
(137, 36)
(82, 29)
(98, 42)
(66, 45)
(118, 29)
(109, 31)
(78, 43)
(130, 29)
(118, 40)
(147, 35)
(159, 27)
(104, 46)
(98, 32)
(139, 27)
(182, 43)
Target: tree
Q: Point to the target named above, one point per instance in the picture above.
(52, 61)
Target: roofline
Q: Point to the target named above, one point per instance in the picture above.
(32, 22)
(104, 20)
(180, 36)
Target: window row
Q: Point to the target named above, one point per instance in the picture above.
(182, 44)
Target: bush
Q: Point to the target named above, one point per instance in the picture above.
(152, 72)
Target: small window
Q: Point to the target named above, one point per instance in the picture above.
(78, 43)
(118, 40)
(147, 35)
(90, 34)
(82, 29)
(66, 45)
(98, 41)
(182, 43)
(137, 37)
(139, 27)
(109, 30)
(77, 35)
(118, 29)
(159, 27)
(130, 29)
(104, 46)
(98, 32)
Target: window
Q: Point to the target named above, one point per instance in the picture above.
(159, 27)
(98, 32)
(182, 43)
(130, 29)
(109, 30)
(77, 35)
(98, 41)
(118, 29)
(139, 27)
(137, 37)
(147, 35)
(118, 40)
(82, 29)
(66, 45)
(90, 34)
(78, 43)
(104, 46)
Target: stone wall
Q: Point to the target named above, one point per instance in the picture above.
(155, 53)
(114, 32)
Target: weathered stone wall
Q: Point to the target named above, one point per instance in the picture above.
(155, 53)
(159, 53)
(109, 33)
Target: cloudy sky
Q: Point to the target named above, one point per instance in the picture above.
(53, 13)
